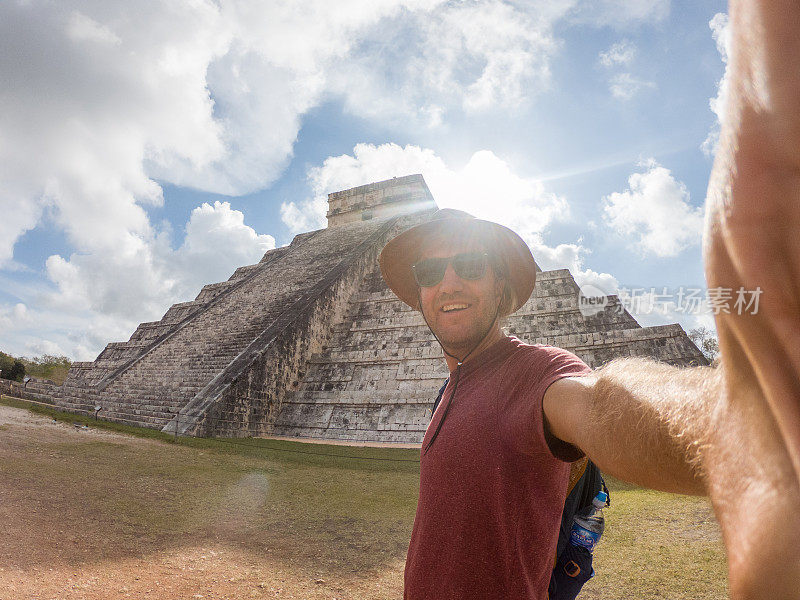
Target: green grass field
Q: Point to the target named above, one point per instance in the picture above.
(262, 518)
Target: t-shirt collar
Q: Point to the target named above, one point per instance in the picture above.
(491, 356)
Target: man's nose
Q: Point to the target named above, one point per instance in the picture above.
(451, 282)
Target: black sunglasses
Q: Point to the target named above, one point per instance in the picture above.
(469, 265)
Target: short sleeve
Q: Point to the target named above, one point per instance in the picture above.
(521, 413)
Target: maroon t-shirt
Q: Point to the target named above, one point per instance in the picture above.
(491, 492)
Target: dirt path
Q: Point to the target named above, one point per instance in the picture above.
(73, 530)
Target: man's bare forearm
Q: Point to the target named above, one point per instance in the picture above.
(651, 423)
(681, 430)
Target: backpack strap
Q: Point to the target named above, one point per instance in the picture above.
(576, 471)
(439, 396)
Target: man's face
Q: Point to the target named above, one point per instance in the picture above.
(459, 311)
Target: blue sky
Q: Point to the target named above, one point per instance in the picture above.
(149, 148)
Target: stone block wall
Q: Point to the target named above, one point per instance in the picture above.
(39, 390)
(246, 400)
(400, 195)
(249, 405)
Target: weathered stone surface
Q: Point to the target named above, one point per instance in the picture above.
(309, 342)
(38, 390)
(400, 195)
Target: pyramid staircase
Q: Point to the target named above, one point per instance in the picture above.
(249, 334)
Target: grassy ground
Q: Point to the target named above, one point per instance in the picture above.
(91, 513)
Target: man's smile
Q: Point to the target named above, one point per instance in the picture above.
(454, 306)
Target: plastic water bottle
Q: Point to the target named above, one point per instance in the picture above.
(588, 525)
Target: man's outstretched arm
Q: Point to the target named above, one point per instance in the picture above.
(640, 421)
(684, 431)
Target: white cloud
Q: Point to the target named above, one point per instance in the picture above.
(104, 99)
(620, 53)
(41, 347)
(655, 212)
(10, 316)
(471, 56)
(307, 215)
(621, 13)
(485, 186)
(81, 27)
(721, 32)
(625, 86)
(77, 334)
(19, 215)
(139, 284)
(217, 241)
(142, 281)
(573, 257)
(20, 312)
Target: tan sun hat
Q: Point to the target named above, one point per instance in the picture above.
(403, 251)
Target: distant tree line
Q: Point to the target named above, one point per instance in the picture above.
(706, 341)
(45, 367)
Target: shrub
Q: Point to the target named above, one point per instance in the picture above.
(48, 367)
(11, 368)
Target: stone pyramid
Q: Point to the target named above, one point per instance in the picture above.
(310, 343)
